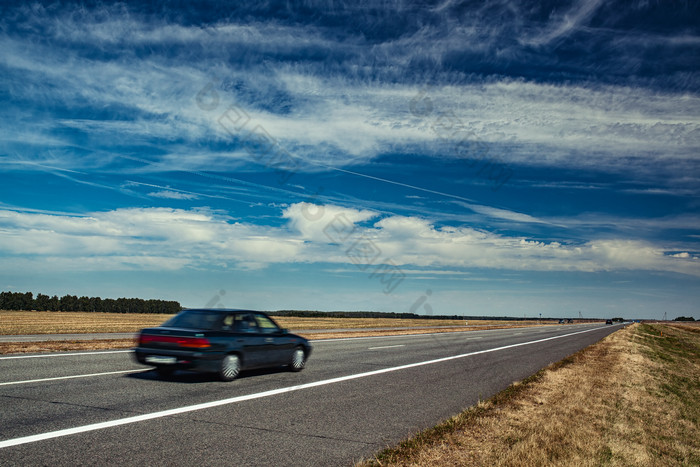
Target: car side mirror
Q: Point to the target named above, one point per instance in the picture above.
(284, 331)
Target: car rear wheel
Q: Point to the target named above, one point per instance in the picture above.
(230, 367)
(298, 359)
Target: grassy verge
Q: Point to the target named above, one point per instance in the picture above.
(631, 399)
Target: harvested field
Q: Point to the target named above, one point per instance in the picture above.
(69, 322)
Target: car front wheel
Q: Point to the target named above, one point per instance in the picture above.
(230, 367)
(298, 359)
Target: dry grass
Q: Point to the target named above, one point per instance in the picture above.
(631, 399)
(692, 327)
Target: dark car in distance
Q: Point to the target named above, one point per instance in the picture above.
(608, 321)
(220, 341)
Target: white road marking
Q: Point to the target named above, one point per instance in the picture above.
(386, 347)
(9, 383)
(74, 354)
(207, 405)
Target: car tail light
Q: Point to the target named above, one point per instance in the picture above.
(191, 342)
(195, 342)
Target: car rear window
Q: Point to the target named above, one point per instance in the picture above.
(194, 320)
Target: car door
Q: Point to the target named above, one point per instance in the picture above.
(277, 348)
(243, 331)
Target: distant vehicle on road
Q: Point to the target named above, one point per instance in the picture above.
(220, 341)
(608, 321)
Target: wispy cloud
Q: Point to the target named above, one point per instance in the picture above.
(318, 116)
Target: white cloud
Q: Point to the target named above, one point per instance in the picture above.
(149, 238)
(169, 194)
(161, 238)
(325, 223)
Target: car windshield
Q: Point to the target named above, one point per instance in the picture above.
(194, 320)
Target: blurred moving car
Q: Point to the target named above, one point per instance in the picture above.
(608, 321)
(220, 341)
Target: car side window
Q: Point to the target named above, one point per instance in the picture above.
(266, 325)
(243, 323)
(228, 323)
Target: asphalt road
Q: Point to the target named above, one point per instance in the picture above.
(355, 397)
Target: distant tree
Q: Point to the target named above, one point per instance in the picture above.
(25, 301)
(96, 304)
(83, 304)
(6, 301)
(684, 318)
(69, 303)
(41, 302)
(54, 304)
(108, 305)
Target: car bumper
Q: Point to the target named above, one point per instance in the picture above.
(178, 359)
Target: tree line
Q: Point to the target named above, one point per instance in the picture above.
(26, 301)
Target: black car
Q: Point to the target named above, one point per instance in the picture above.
(608, 321)
(220, 341)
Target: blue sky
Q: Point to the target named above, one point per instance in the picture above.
(475, 158)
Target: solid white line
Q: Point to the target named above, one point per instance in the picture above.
(9, 383)
(74, 354)
(386, 347)
(274, 392)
